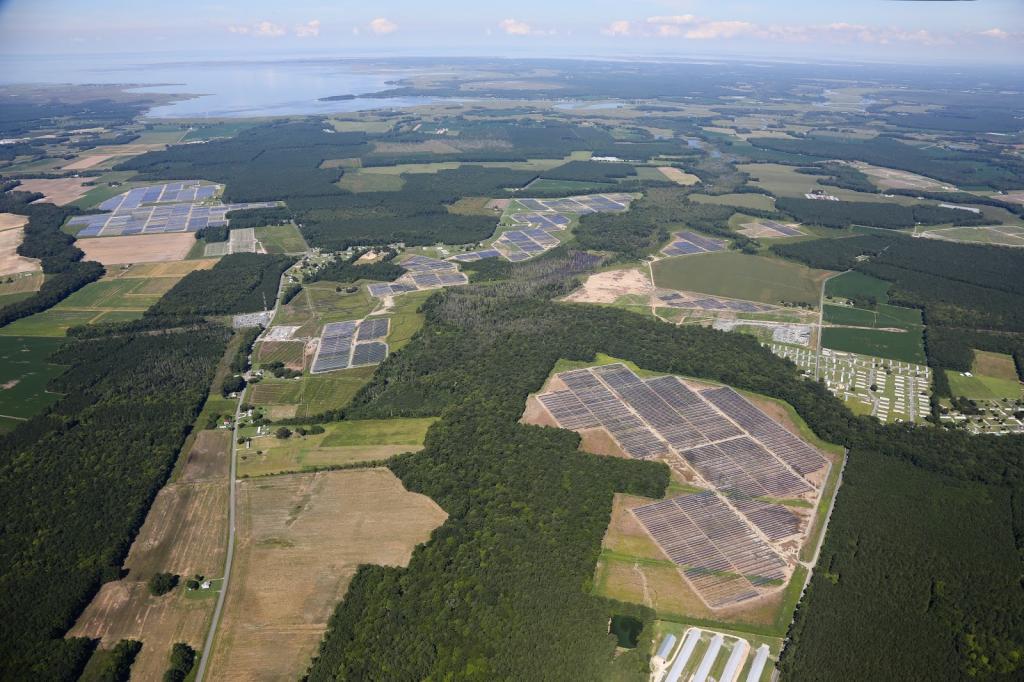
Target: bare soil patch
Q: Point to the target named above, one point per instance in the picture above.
(58, 191)
(607, 287)
(600, 442)
(9, 221)
(208, 458)
(678, 176)
(537, 414)
(301, 538)
(141, 248)
(10, 261)
(88, 161)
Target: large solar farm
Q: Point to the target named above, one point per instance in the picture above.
(353, 343)
(423, 273)
(185, 206)
(534, 226)
(736, 539)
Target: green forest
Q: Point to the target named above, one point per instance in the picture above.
(238, 283)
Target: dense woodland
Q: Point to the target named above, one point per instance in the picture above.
(238, 283)
(129, 400)
(840, 214)
(347, 270)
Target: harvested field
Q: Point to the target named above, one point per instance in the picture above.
(890, 178)
(184, 533)
(9, 221)
(10, 261)
(88, 161)
(678, 176)
(301, 539)
(607, 287)
(140, 248)
(58, 191)
(161, 269)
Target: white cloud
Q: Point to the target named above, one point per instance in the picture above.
(383, 26)
(310, 29)
(514, 27)
(674, 20)
(713, 30)
(997, 33)
(262, 29)
(618, 28)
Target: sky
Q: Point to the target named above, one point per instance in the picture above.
(907, 31)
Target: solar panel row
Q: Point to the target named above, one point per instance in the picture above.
(342, 346)
(159, 219)
(686, 243)
(187, 190)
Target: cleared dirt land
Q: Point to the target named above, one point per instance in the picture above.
(678, 176)
(607, 287)
(141, 248)
(300, 541)
(9, 221)
(185, 533)
(58, 191)
(88, 161)
(10, 261)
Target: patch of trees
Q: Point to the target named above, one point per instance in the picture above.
(278, 369)
(840, 214)
(114, 665)
(258, 217)
(498, 588)
(290, 292)
(162, 583)
(183, 657)
(232, 384)
(24, 114)
(77, 481)
(969, 169)
(60, 259)
(840, 175)
(349, 270)
(953, 348)
(247, 337)
(238, 283)
(213, 233)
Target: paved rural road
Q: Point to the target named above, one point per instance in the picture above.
(208, 646)
(232, 480)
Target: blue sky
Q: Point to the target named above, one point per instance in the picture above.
(880, 30)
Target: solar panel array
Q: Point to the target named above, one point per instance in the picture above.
(721, 555)
(346, 344)
(424, 273)
(473, 256)
(779, 227)
(800, 456)
(742, 455)
(686, 243)
(676, 300)
(156, 219)
(172, 192)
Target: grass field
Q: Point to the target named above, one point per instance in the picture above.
(737, 275)
(342, 443)
(905, 346)
(109, 293)
(184, 532)
(364, 181)
(55, 322)
(281, 239)
(784, 181)
(994, 377)
(761, 202)
(884, 315)
(311, 394)
(300, 540)
(405, 320)
(853, 284)
(24, 373)
(1005, 235)
(319, 303)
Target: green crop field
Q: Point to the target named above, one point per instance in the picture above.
(905, 346)
(853, 284)
(313, 394)
(281, 239)
(379, 432)
(980, 387)
(737, 275)
(134, 293)
(883, 316)
(759, 201)
(24, 373)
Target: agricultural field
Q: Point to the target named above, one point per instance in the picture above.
(184, 533)
(762, 202)
(855, 284)
(281, 239)
(141, 248)
(342, 443)
(906, 346)
(24, 374)
(55, 322)
(883, 315)
(678, 176)
(300, 540)
(993, 376)
(61, 191)
(118, 293)
(738, 275)
(784, 181)
(17, 287)
(1003, 235)
(309, 395)
(11, 237)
